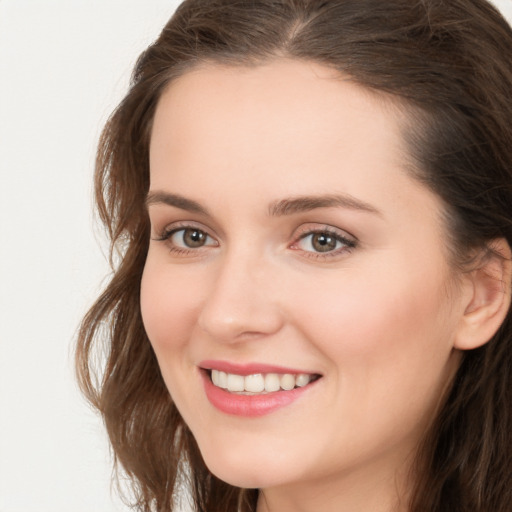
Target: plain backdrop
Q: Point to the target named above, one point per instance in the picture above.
(64, 65)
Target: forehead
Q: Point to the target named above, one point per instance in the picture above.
(303, 90)
(286, 128)
(283, 104)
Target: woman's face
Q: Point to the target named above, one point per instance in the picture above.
(289, 239)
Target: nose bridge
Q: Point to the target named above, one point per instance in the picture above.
(240, 301)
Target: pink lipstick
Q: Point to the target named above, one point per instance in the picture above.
(255, 389)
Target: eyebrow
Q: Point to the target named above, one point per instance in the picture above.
(288, 206)
(307, 203)
(175, 200)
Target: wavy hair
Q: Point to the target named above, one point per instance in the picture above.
(448, 64)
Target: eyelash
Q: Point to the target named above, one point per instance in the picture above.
(168, 233)
(348, 244)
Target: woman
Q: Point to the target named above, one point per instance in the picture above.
(310, 311)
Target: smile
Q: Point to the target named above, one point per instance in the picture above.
(255, 389)
(259, 383)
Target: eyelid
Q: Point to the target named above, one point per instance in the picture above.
(166, 234)
(312, 227)
(349, 241)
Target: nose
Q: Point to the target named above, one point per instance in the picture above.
(241, 302)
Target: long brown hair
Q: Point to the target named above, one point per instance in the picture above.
(449, 64)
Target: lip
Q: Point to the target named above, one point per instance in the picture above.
(248, 369)
(249, 406)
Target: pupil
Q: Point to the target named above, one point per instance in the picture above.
(194, 238)
(323, 242)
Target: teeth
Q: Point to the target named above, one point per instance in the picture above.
(302, 380)
(254, 383)
(287, 381)
(220, 379)
(272, 382)
(223, 380)
(258, 383)
(236, 382)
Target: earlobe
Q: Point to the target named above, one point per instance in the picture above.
(488, 300)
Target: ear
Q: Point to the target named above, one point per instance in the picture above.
(487, 300)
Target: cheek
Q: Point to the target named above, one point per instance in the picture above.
(380, 333)
(168, 306)
(389, 352)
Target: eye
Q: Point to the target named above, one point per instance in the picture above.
(185, 239)
(319, 242)
(323, 242)
(189, 238)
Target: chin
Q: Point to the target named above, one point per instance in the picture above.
(244, 477)
(247, 470)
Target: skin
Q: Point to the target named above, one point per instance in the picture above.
(378, 320)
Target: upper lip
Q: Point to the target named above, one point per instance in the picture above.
(249, 368)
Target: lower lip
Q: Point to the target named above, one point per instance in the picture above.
(249, 406)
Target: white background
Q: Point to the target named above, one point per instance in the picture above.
(64, 65)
